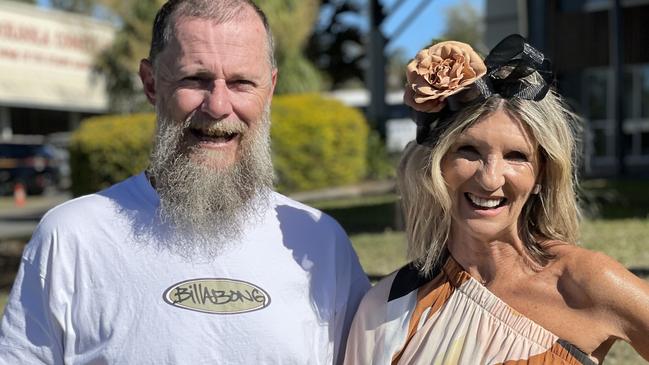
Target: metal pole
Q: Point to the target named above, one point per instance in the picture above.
(536, 23)
(617, 65)
(375, 75)
(5, 124)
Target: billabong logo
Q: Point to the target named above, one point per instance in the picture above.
(217, 296)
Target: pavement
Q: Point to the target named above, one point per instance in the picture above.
(18, 222)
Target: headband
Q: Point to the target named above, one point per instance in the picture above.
(448, 76)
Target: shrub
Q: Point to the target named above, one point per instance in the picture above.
(108, 149)
(381, 165)
(317, 142)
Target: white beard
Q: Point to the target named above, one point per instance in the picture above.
(209, 207)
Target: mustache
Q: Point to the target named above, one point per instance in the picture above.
(211, 126)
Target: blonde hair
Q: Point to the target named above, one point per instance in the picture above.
(551, 215)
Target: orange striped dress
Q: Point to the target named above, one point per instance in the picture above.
(451, 319)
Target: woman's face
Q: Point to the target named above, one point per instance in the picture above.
(490, 171)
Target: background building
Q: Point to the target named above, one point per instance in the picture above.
(584, 39)
(47, 83)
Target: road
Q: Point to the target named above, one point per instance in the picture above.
(19, 222)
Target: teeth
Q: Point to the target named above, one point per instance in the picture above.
(485, 203)
(218, 134)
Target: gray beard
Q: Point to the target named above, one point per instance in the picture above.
(209, 207)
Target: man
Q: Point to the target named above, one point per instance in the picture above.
(197, 261)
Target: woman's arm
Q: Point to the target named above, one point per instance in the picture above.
(623, 298)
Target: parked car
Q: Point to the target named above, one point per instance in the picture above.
(36, 166)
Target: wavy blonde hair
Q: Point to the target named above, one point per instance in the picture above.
(552, 215)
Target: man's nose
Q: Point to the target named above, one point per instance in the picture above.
(491, 175)
(216, 102)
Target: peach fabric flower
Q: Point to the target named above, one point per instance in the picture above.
(440, 71)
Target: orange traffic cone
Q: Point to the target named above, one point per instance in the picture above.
(20, 197)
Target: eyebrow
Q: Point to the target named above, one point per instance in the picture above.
(522, 146)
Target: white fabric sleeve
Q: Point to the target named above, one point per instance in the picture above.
(352, 284)
(27, 331)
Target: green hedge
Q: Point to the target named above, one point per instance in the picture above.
(317, 142)
(108, 149)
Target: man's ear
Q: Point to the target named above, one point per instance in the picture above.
(273, 80)
(148, 79)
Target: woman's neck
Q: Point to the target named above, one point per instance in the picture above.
(487, 261)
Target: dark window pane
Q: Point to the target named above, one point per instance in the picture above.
(596, 94)
(627, 100)
(644, 96)
(628, 143)
(599, 142)
(644, 143)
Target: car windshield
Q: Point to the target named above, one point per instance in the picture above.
(12, 150)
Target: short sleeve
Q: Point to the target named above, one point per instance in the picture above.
(28, 334)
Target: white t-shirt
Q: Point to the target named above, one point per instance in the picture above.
(93, 289)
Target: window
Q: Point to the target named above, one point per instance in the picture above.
(596, 88)
(644, 143)
(644, 91)
(599, 142)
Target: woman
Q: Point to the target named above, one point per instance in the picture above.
(491, 220)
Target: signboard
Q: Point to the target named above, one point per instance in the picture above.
(47, 58)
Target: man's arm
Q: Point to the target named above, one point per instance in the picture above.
(27, 330)
(352, 286)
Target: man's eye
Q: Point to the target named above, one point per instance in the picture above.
(242, 82)
(516, 156)
(194, 78)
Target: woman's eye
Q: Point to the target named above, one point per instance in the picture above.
(468, 150)
(468, 153)
(516, 156)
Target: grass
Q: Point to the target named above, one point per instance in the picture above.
(619, 228)
(626, 240)
(3, 300)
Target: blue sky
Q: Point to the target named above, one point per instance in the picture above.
(428, 24)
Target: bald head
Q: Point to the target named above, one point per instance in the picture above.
(218, 11)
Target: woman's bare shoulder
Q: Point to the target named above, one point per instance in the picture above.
(608, 290)
(595, 273)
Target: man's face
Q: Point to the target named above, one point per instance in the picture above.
(212, 87)
(216, 78)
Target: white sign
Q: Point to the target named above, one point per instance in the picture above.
(398, 133)
(47, 58)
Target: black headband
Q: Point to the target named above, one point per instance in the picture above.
(508, 63)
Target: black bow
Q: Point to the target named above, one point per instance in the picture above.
(508, 63)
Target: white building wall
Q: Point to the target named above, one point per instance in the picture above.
(47, 57)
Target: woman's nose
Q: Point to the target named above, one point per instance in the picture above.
(491, 176)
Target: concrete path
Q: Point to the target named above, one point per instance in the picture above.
(19, 222)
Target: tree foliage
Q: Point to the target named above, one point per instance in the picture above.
(75, 6)
(120, 62)
(291, 22)
(336, 44)
(464, 23)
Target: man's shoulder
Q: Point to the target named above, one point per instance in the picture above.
(294, 215)
(286, 204)
(88, 208)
